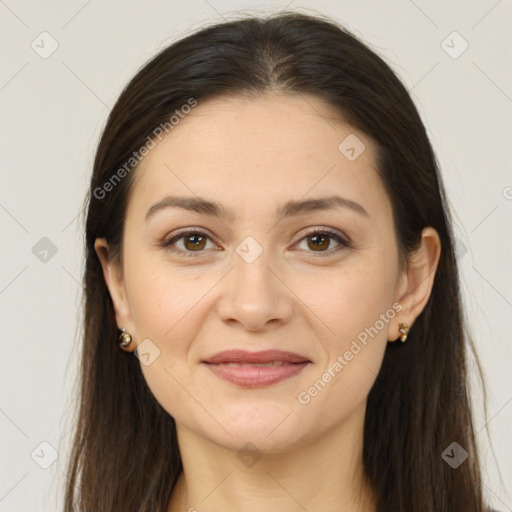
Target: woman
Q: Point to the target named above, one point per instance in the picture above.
(267, 234)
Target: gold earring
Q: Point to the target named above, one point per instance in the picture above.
(404, 330)
(125, 338)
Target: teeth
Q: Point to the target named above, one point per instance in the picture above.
(262, 365)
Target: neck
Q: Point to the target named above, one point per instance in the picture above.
(322, 474)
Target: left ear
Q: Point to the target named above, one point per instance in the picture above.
(418, 279)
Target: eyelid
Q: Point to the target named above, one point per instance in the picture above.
(324, 230)
(188, 231)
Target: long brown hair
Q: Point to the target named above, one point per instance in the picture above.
(125, 455)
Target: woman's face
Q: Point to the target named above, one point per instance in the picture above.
(253, 276)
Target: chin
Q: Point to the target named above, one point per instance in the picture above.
(256, 437)
(271, 428)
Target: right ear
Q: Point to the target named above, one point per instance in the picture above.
(113, 275)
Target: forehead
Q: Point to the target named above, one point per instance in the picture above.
(248, 151)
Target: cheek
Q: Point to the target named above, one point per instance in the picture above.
(168, 309)
(357, 306)
(353, 299)
(162, 302)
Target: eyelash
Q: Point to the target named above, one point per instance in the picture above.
(168, 244)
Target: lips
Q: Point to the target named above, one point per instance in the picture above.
(263, 357)
(256, 369)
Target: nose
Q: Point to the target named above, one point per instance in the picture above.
(255, 296)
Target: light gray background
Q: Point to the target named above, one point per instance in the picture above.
(53, 111)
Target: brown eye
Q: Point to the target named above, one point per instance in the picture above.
(188, 242)
(321, 241)
(318, 242)
(194, 242)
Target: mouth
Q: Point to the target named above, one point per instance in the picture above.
(263, 357)
(256, 369)
(257, 365)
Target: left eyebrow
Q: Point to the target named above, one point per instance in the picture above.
(292, 208)
(289, 209)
